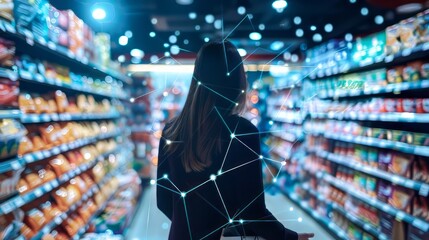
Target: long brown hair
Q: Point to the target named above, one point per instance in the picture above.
(218, 87)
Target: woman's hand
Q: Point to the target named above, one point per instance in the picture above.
(305, 236)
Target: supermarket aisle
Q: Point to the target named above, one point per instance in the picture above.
(158, 225)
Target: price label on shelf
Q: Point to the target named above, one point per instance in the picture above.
(55, 184)
(2, 27)
(58, 220)
(19, 202)
(54, 117)
(26, 75)
(52, 45)
(39, 155)
(423, 151)
(45, 118)
(389, 58)
(41, 40)
(39, 77)
(7, 207)
(15, 165)
(424, 190)
(38, 192)
(420, 224)
(425, 46)
(29, 158)
(30, 41)
(407, 52)
(400, 216)
(9, 27)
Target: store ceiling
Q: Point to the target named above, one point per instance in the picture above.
(167, 18)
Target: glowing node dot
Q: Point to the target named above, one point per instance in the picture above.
(283, 163)
(168, 142)
(199, 83)
(241, 221)
(232, 135)
(236, 104)
(271, 122)
(299, 219)
(152, 182)
(219, 172)
(132, 100)
(275, 180)
(261, 157)
(165, 94)
(165, 176)
(227, 74)
(292, 86)
(183, 194)
(212, 177)
(242, 91)
(230, 220)
(291, 209)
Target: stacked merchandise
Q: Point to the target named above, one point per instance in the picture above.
(367, 142)
(62, 136)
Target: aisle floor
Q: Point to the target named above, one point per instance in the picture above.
(151, 224)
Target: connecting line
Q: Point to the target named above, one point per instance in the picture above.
(284, 101)
(185, 50)
(194, 188)
(174, 185)
(224, 53)
(187, 218)
(146, 94)
(220, 195)
(247, 16)
(283, 51)
(241, 165)
(242, 210)
(269, 170)
(171, 190)
(218, 94)
(226, 154)
(255, 133)
(248, 147)
(243, 60)
(223, 120)
(217, 229)
(282, 220)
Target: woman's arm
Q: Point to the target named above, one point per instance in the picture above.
(164, 197)
(250, 193)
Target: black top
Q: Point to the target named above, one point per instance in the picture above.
(236, 194)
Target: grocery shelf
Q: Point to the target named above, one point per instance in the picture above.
(17, 163)
(383, 117)
(406, 55)
(398, 214)
(324, 221)
(54, 117)
(28, 39)
(39, 79)
(373, 90)
(10, 114)
(375, 142)
(288, 117)
(373, 230)
(289, 136)
(423, 188)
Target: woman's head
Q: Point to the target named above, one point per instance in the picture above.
(218, 86)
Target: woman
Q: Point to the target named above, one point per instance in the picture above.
(209, 171)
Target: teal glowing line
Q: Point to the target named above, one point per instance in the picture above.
(218, 94)
(223, 120)
(255, 133)
(235, 27)
(278, 173)
(283, 51)
(248, 147)
(221, 198)
(192, 189)
(241, 165)
(187, 218)
(217, 229)
(185, 50)
(171, 190)
(174, 185)
(242, 210)
(251, 23)
(243, 60)
(226, 154)
(224, 54)
(269, 170)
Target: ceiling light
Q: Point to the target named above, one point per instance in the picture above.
(209, 18)
(352, 1)
(152, 34)
(186, 41)
(197, 27)
(154, 21)
(279, 5)
(348, 37)
(379, 19)
(121, 58)
(135, 60)
(409, 8)
(166, 45)
(177, 33)
(206, 39)
(123, 40)
(184, 2)
(172, 39)
(218, 24)
(255, 36)
(192, 15)
(287, 55)
(241, 10)
(242, 52)
(174, 50)
(299, 32)
(137, 53)
(364, 11)
(129, 34)
(317, 37)
(297, 20)
(313, 28)
(329, 27)
(277, 45)
(154, 59)
(99, 14)
(294, 58)
(261, 27)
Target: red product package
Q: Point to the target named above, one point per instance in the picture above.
(9, 93)
(407, 105)
(389, 105)
(422, 105)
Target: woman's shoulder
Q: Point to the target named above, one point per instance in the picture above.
(242, 125)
